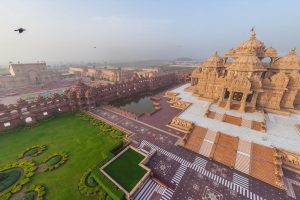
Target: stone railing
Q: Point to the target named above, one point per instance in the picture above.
(120, 111)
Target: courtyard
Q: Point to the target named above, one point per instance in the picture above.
(85, 145)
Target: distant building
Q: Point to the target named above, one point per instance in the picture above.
(114, 74)
(28, 74)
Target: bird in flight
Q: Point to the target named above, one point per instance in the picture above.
(95, 47)
(20, 30)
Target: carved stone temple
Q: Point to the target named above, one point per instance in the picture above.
(248, 77)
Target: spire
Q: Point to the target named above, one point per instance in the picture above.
(216, 53)
(293, 50)
(253, 33)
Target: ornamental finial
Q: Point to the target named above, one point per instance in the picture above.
(253, 33)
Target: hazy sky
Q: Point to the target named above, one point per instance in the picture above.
(126, 30)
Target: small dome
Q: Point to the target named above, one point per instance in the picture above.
(247, 63)
(230, 52)
(290, 61)
(252, 45)
(214, 61)
(271, 52)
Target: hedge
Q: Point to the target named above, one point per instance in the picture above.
(117, 147)
(109, 187)
(84, 188)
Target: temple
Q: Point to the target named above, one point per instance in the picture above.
(242, 110)
(241, 80)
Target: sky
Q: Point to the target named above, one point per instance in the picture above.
(60, 31)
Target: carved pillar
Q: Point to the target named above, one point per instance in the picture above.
(229, 100)
(253, 100)
(243, 103)
(221, 98)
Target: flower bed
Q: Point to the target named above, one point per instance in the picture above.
(39, 190)
(28, 168)
(55, 161)
(87, 185)
(33, 151)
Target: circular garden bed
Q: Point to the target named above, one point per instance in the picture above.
(9, 177)
(54, 161)
(32, 151)
(34, 192)
(14, 176)
(87, 185)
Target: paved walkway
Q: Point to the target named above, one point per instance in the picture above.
(187, 174)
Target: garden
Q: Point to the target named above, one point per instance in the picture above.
(56, 159)
(125, 169)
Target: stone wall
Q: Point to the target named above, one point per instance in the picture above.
(78, 96)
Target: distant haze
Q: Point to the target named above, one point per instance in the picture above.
(128, 30)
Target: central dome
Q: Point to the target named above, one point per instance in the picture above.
(247, 63)
(252, 45)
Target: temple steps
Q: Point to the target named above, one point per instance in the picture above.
(225, 151)
(253, 159)
(242, 162)
(208, 143)
(246, 123)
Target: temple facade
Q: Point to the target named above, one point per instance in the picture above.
(249, 77)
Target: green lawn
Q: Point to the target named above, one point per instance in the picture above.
(125, 169)
(65, 133)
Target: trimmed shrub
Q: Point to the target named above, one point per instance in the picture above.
(40, 190)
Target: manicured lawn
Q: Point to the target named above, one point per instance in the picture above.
(85, 145)
(125, 169)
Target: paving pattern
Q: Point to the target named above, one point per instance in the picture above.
(187, 175)
(149, 189)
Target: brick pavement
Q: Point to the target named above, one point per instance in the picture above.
(188, 175)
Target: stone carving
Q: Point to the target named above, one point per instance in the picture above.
(181, 125)
(181, 104)
(290, 160)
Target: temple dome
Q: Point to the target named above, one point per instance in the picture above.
(271, 52)
(252, 45)
(215, 61)
(230, 52)
(290, 61)
(247, 63)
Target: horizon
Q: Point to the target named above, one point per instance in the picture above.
(60, 32)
